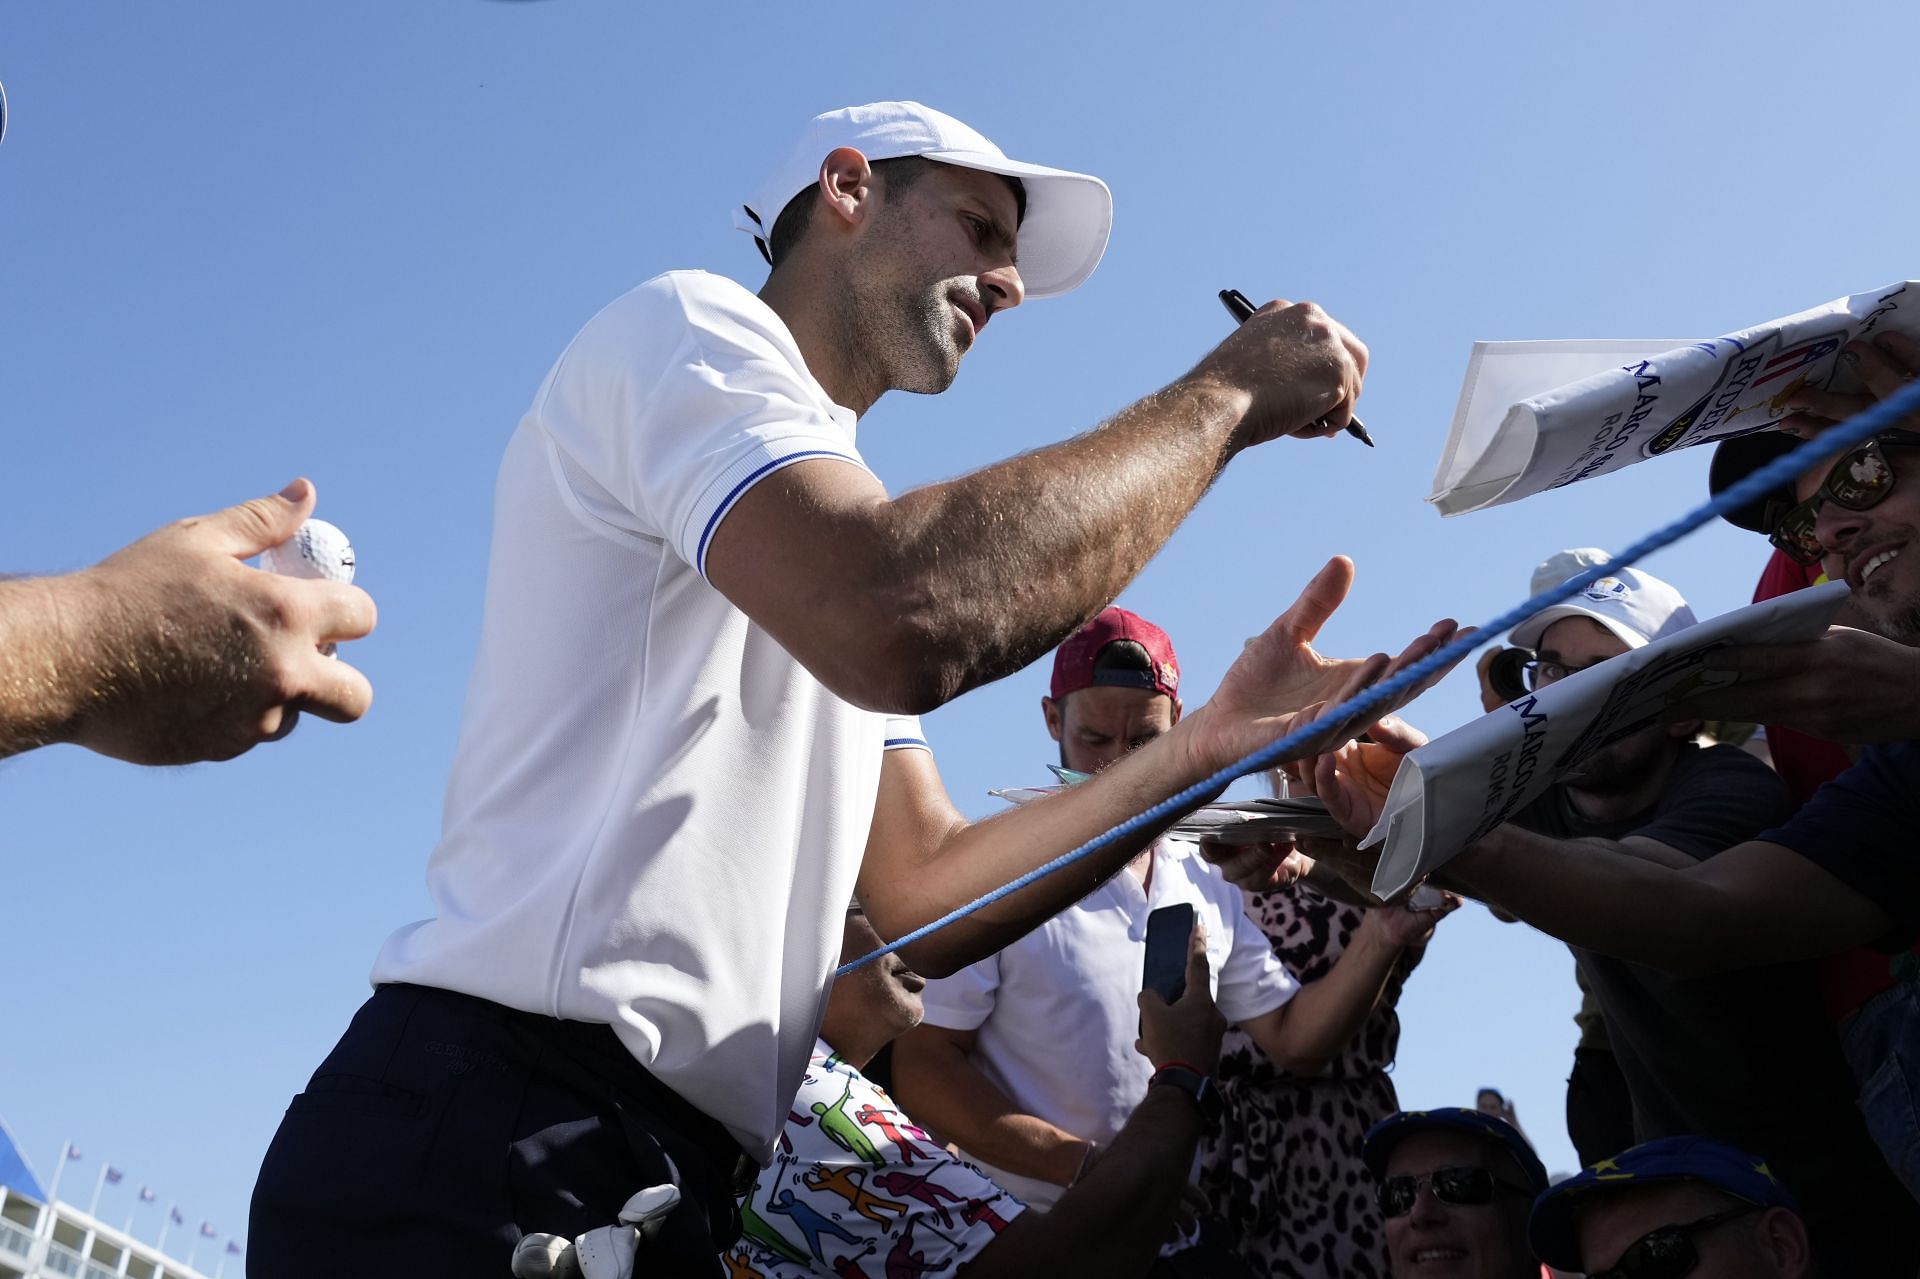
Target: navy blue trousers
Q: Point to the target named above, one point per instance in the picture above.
(443, 1127)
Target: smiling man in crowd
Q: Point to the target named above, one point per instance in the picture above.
(1454, 1186)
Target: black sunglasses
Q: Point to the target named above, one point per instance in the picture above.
(1666, 1253)
(1458, 1185)
(1860, 479)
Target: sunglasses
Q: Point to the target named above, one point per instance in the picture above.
(1461, 1186)
(1666, 1253)
(1858, 481)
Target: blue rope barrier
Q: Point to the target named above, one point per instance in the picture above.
(1782, 470)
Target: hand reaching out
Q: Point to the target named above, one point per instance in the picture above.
(1885, 364)
(1280, 683)
(1403, 926)
(172, 650)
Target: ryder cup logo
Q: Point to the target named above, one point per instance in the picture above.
(1607, 590)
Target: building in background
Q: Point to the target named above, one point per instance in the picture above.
(44, 1238)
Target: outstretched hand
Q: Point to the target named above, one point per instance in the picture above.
(1280, 684)
(1403, 925)
(193, 655)
(1353, 781)
(1883, 366)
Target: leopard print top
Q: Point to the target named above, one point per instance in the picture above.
(1285, 1171)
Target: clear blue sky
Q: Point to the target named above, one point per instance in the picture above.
(245, 243)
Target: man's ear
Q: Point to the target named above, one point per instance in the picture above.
(1783, 1237)
(846, 184)
(1055, 717)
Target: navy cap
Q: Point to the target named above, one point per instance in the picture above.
(1670, 1159)
(1739, 456)
(1395, 1128)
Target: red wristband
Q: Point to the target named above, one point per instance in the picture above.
(1184, 1065)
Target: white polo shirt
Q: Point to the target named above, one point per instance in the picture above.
(1057, 1011)
(655, 815)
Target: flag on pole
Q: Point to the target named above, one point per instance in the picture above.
(73, 1151)
(146, 1194)
(207, 1231)
(233, 1249)
(173, 1215)
(114, 1175)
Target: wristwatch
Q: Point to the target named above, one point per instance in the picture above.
(1196, 1086)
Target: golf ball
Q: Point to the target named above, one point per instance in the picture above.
(318, 550)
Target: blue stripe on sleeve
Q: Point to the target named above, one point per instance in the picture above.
(713, 521)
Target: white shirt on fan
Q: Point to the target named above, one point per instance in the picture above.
(1057, 1013)
(655, 815)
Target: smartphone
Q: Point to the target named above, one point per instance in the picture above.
(1168, 931)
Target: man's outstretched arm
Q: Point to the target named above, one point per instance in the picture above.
(172, 651)
(902, 604)
(923, 859)
(1755, 903)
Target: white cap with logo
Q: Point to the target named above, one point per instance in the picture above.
(1638, 607)
(1069, 215)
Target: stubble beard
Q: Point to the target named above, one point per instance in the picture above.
(1888, 611)
(900, 335)
(907, 340)
(1896, 619)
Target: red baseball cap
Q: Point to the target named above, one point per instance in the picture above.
(1073, 662)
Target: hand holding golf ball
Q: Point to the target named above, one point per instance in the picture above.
(317, 550)
(212, 657)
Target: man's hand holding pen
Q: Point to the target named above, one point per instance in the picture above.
(1300, 368)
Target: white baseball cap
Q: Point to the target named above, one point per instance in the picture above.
(1638, 607)
(1561, 565)
(1069, 215)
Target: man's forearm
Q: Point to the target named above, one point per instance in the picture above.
(1754, 904)
(1630, 907)
(39, 656)
(986, 572)
(902, 895)
(1113, 1220)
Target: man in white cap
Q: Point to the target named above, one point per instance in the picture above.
(677, 757)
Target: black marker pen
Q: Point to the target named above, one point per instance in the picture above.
(1242, 310)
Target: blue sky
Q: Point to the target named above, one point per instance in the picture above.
(245, 243)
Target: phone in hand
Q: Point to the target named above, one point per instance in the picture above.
(1168, 930)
